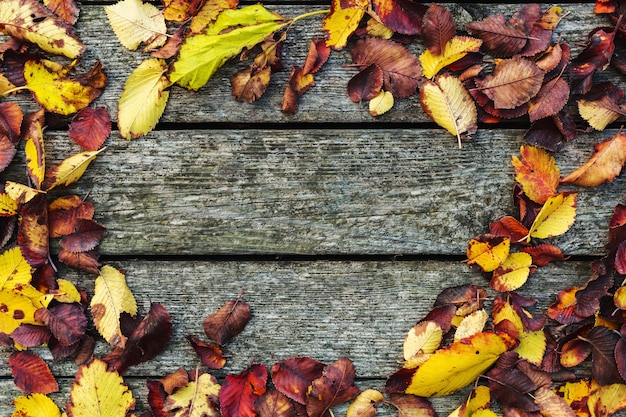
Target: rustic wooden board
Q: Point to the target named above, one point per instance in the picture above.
(320, 309)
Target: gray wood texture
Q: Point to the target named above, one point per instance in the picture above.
(305, 213)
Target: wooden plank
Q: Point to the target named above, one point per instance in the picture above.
(320, 309)
(326, 102)
(311, 192)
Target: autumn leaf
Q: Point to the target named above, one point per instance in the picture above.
(67, 322)
(364, 405)
(488, 253)
(366, 84)
(401, 69)
(381, 104)
(510, 227)
(512, 388)
(90, 128)
(341, 22)
(86, 237)
(410, 405)
(32, 232)
(20, 192)
(228, 321)
(57, 92)
(143, 99)
(449, 104)
(14, 269)
(606, 400)
(209, 12)
(550, 100)
(210, 355)
(35, 405)
(31, 374)
(135, 22)
(501, 38)
(552, 132)
(249, 84)
(402, 16)
(34, 148)
(596, 55)
(333, 387)
(275, 404)
(604, 165)
(97, 391)
(438, 28)
(10, 127)
(66, 9)
(70, 169)
(30, 21)
(544, 254)
(513, 82)
(293, 376)
(197, 398)
(181, 10)
(239, 392)
(85, 261)
(471, 324)
(15, 309)
(450, 369)
(111, 298)
(423, 338)
(203, 54)
(556, 216)
(600, 106)
(537, 172)
(453, 50)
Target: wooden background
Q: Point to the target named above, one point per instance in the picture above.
(340, 228)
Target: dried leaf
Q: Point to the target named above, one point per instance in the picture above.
(381, 104)
(600, 106)
(135, 22)
(607, 400)
(438, 28)
(90, 128)
(66, 9)
(34, 148)
(65, 212)
(317, 56)
(97, 391)
(210, 355)
(402, 16)
(32, 232)
(14, 269)
(410, 405)
(197, 398)
(341, 22)
(455, 49)
(239, 392)
(556, 216)
(228, 321)
(544, 254)
(249, 84)
(31, 374)
(604, 165)
(510, 227)
(537, 173)
(67, 322)
(181, 10)
(293, 376)
(366, 84)
(335, 386)
(514, 82)
(512, 388)
(488, 252)
(86, 237)
(596, 55)
(85, 261)
(15, 309)
(209, 12)
(364, 405)
(35, 405)
(70, 169)
(501, 38)
(275, 404)
(550, 100)
(604, 368)
(471, 324)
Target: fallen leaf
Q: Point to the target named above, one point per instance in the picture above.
(544, 254)
(85, 261)
(501, 38)
(402, 16)
(181, 10)
(15, 309)
(67, 322)
(86, 237)
(600, 106)
(90, 128)
(438, 28)
(513, 82)
(228, 321)
(341, 22)
(32, 231)
(471, 324)
(209, 12)
(210, 355)
(293, 376)
(318, 54)
(66, 9)
(364, 405)
(510, 227)
(239, 392)
(31, 21)
(537, 173)
(381, 104)
(449, 104)
(97, 391)
(31, 335)
(366, 84)
(197, 398)
(556, 216)
(606, 400)
(14, 269)
(596, 55)
(249, 84)
(111, 298)
(550, 133)
(275, 404)
(455, 49)
(410, 405)
(423, 338)
(466, 298)
(65, 212)
(70, 169)
(604, 367)
(488, 252)
(604, 165)
(550, 100)
(135, 22)
(512, 388)
(56, 92)
(35, 405)
(31, 374)
(143, 99)
(34, 148)
(335, 386)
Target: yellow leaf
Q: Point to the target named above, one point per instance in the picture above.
(606, 400)
(57, 93)
(111, 298)
(555, 217)
(98, 392)
(209, 12)
(455, 49)
(135, 22)
(8, 206)
(513, 273)
(599, 113)
(70, 170)
(15, 309)
(32, 22)
(34, 149)
(67, 292)
(532, 346)
(453, 368)
(35, 405)
(381, 104)
(471, 324)
(14, 269)
(5, 86)
(196, 399)
(575, 392)
(619, 298)
(449, 104)
(364, 405)
(143, 99)
(340, 23)
(488, 254)
(203, 54)
(537, 173)
(424, 337)
(604, 165)
(479, 399)
(20, 192)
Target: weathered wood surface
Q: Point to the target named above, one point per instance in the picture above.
(191, 206)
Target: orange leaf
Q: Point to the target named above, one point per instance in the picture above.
(239, 392)
(537, 173)
(604, 165)
(488, 252)
(514, 82)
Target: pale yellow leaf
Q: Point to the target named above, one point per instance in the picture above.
(471, 324)
(14, 269)
(70, 170)
(111, 298)
(35, 405)
(599, 113)
(135, 22)
(455, 49)
(449, 104)
(424, 337)
(143, 99)
(555, 217)
(381, 104)
(364, 405)
(196, 399)
(20, 192)
(98, 392)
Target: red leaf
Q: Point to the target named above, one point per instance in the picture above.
(239, 392)
(335, 386)
(67, 322)
(366, 84)
(156, 398)
(438, 28)
(32, 231)
(147, 340)
(544, 254)
(510, 227)
(87, 236)
(31, 374)
(293, 376)
(65, 9)
(210, 355)
(317, 56)
(64, 213)
(85, 261)
(90, 128)
(298, 84)
(228, 321)
(402, 16)
(596, 55)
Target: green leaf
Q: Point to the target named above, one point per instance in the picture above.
(203, 54)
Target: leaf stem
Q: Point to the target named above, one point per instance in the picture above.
(309, 14)
(13, 90)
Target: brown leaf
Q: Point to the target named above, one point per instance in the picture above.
(500, 37)
(10, 126)
(32, 232)
(317, 56)
(544, 254)
(65, 212)
(402, 16)
(550, 100)
(249, 84)
(366, 84)
(210, 355)
(604, 165)
(514, 82)
(66, 9)
(512, 388)
(31, 335)
(87, 236)
(595, 56)
(364, 405)
(551, 404)
(90, 128)
(293, 376)
(604, 367)
(228, 321)
(411, 405)
(298, 84)
(31, 374)
(67, 322)
(275, 404)
(437, 28)
(550, 133)
(209, 12)
(467, 298)
(85, 261)
(335, 386)
(401, 69)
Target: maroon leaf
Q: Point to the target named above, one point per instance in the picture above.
(467, 298)
(500, 37)
(31, 374)
(438, 28)
(512, 388)
(210, 355)
(31, 335)
(401, 16)
(596, 55)
(550, 133)
(239, 392)
(32, 231)
(544, 254)
(293, 376)
(156, 397)
(67, 322)
(604, 366)
(298, 84)
(64, 213)
(85, 261)
(510, 227)
(317, 56)
(228, 321)
(411, 405)
(87, 236)
(335, 386)
(366, 84)
(90, 128)
(66, 9)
